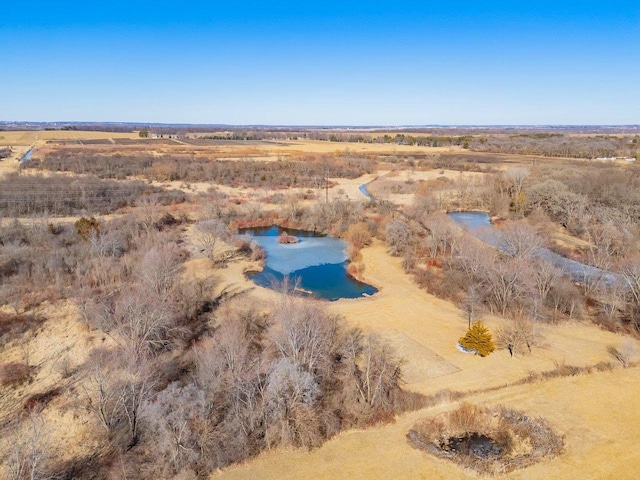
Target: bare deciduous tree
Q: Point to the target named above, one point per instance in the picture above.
(473, 303)
(159, 269)
(30, 454)
(443, 234)
(170, 418)
(380, 372)
(140, 323)
(520, 240)
(517, 335)
(209, 234)
(398, 236)
(290, 396)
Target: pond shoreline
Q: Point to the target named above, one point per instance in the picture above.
(316, 264)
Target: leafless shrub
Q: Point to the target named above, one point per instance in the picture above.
(519, 336)
(14, 374)
(625, 353)
(398, 236)
(209, 234)
(170, 418)
(14, 326)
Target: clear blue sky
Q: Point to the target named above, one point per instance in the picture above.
(321, 63)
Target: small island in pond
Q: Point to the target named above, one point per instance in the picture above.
(285, 238)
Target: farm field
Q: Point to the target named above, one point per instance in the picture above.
(40, 137)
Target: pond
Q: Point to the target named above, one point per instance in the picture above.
(318, 263)
(479, 225)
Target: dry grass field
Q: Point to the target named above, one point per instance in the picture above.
(39, 137)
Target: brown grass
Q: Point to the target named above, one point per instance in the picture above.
(39, 137)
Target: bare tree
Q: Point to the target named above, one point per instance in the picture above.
(505, 285)
(306, 334)
(520, 335)
(398, 236)
(630, 272)
(605, 243)
(520, 240)
(134, 391)
(516, 177)
(159, 269)
(611, 296)
(473, 257)
(209, 234)
(564, 298)
(443, 234)
(31, 452)
(290, 396)
(171, 419)
(149, 210)
(545, 276)
(140, 323)
(381, 372)
(473, 303)
(102, 392)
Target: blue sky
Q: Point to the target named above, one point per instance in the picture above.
(321, 63)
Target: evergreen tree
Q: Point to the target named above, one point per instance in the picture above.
(478, 339)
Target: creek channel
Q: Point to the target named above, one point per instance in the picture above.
(479, 225)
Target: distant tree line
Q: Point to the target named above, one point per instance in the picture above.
(306, 172)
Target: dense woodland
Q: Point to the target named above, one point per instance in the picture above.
(536, 143)
(304, 172)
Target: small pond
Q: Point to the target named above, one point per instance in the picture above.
(318, 263)
(479, 225)
(474, 444)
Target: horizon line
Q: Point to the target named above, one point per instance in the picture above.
(311, 125)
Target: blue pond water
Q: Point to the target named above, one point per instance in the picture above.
(471, 220)
(318, 263)
(363, 189)
(27, 156)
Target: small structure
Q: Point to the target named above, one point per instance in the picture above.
(284, 238)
